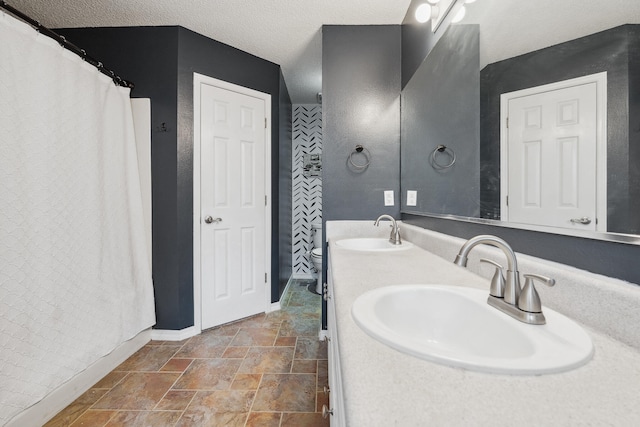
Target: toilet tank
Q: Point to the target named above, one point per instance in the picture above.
(316, 229)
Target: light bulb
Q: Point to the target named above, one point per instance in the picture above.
(423, 13)
(460, 15)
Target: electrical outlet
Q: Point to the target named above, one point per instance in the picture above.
(412, 197)
(388, 198)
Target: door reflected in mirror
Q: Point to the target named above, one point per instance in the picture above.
(553, 154)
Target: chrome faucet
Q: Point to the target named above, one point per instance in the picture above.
(524, 304)
(512, 282)
(394, 238)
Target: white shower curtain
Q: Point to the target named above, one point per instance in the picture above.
(74, 275)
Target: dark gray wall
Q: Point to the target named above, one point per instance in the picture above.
(634, 123)
(605, 51)
(161, 62)
(360, 105)
(417, 41)
(285, 220)
(440, 106)
(617, 260)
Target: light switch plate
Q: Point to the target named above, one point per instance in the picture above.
(388, 198)
(412, 197)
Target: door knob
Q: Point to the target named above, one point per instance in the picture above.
(326, 411)
(209, 219)
(584, 220)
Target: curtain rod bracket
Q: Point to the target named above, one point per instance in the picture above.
(41, 29)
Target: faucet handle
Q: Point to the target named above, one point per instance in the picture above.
(395, 233)
(498, 281)
(529, 299)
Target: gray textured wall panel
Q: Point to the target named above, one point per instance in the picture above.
(361, 95)
(440, 106)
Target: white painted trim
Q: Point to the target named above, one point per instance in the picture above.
(287, 286)
(199, 79)
(171, 335)
(275, 306)
(323, 334)
(504, 155)
(63, 396)
(600, 79)
(303, 276)
(601, 150)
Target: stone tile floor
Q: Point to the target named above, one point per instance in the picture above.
(266, 370)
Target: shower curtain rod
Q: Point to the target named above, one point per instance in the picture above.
(66, 44)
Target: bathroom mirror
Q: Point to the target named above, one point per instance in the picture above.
(502, 47)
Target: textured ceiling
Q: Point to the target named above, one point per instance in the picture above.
(513, 27)
(286, 32)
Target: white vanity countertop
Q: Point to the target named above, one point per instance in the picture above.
(384, 387)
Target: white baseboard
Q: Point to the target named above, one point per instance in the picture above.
(275, 306)
(323, 334)
(303, 276)
(60, 398)
(170, 335)
(286, 288)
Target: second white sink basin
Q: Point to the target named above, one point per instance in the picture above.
(455, 326)
(372, 244)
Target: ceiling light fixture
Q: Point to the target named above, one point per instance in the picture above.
(437, 10)
(428, 11)
(423, 13)
(459, 15)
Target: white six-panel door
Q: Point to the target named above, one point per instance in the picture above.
(232, 205)
(552, 157)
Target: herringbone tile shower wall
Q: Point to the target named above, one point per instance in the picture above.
(307, 191)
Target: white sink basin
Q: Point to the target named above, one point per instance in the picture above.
(372, 244)
(455, 326)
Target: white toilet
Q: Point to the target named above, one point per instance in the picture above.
(316, 253)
